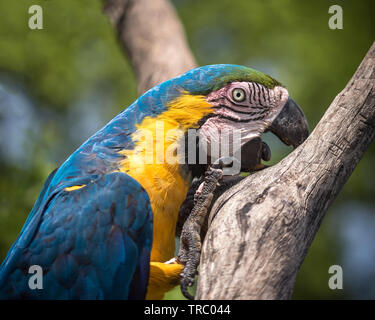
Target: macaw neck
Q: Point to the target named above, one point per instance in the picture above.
(166, 185)
(155, 162)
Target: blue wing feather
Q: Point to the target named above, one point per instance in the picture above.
(90, 243)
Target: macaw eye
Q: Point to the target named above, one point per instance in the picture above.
(238, 95)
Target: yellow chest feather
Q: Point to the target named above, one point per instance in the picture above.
(154, 163)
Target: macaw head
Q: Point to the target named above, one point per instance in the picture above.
(221, 100)
(252, 105)
(249, 102)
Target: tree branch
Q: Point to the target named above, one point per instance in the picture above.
(153, 37)
(261, 229)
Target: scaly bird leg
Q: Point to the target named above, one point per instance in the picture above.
(192, 222)
(190, 240)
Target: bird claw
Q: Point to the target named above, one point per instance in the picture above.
(190, 240)
(187, 282)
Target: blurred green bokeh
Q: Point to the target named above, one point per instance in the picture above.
(61, 84)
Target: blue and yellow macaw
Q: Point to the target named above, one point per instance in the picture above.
(104, 223)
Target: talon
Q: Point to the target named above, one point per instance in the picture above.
(185, 292)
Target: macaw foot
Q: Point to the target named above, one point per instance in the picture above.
(190, 240)
(192, 222)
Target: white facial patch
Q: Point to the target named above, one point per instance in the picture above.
(251, 115)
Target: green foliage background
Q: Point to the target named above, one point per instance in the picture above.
(61, 84)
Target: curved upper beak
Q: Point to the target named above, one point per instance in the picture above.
(290, 125)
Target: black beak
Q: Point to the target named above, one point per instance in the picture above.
(290, 125)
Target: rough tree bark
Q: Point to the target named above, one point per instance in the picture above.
(153, 37)
(261, 229)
